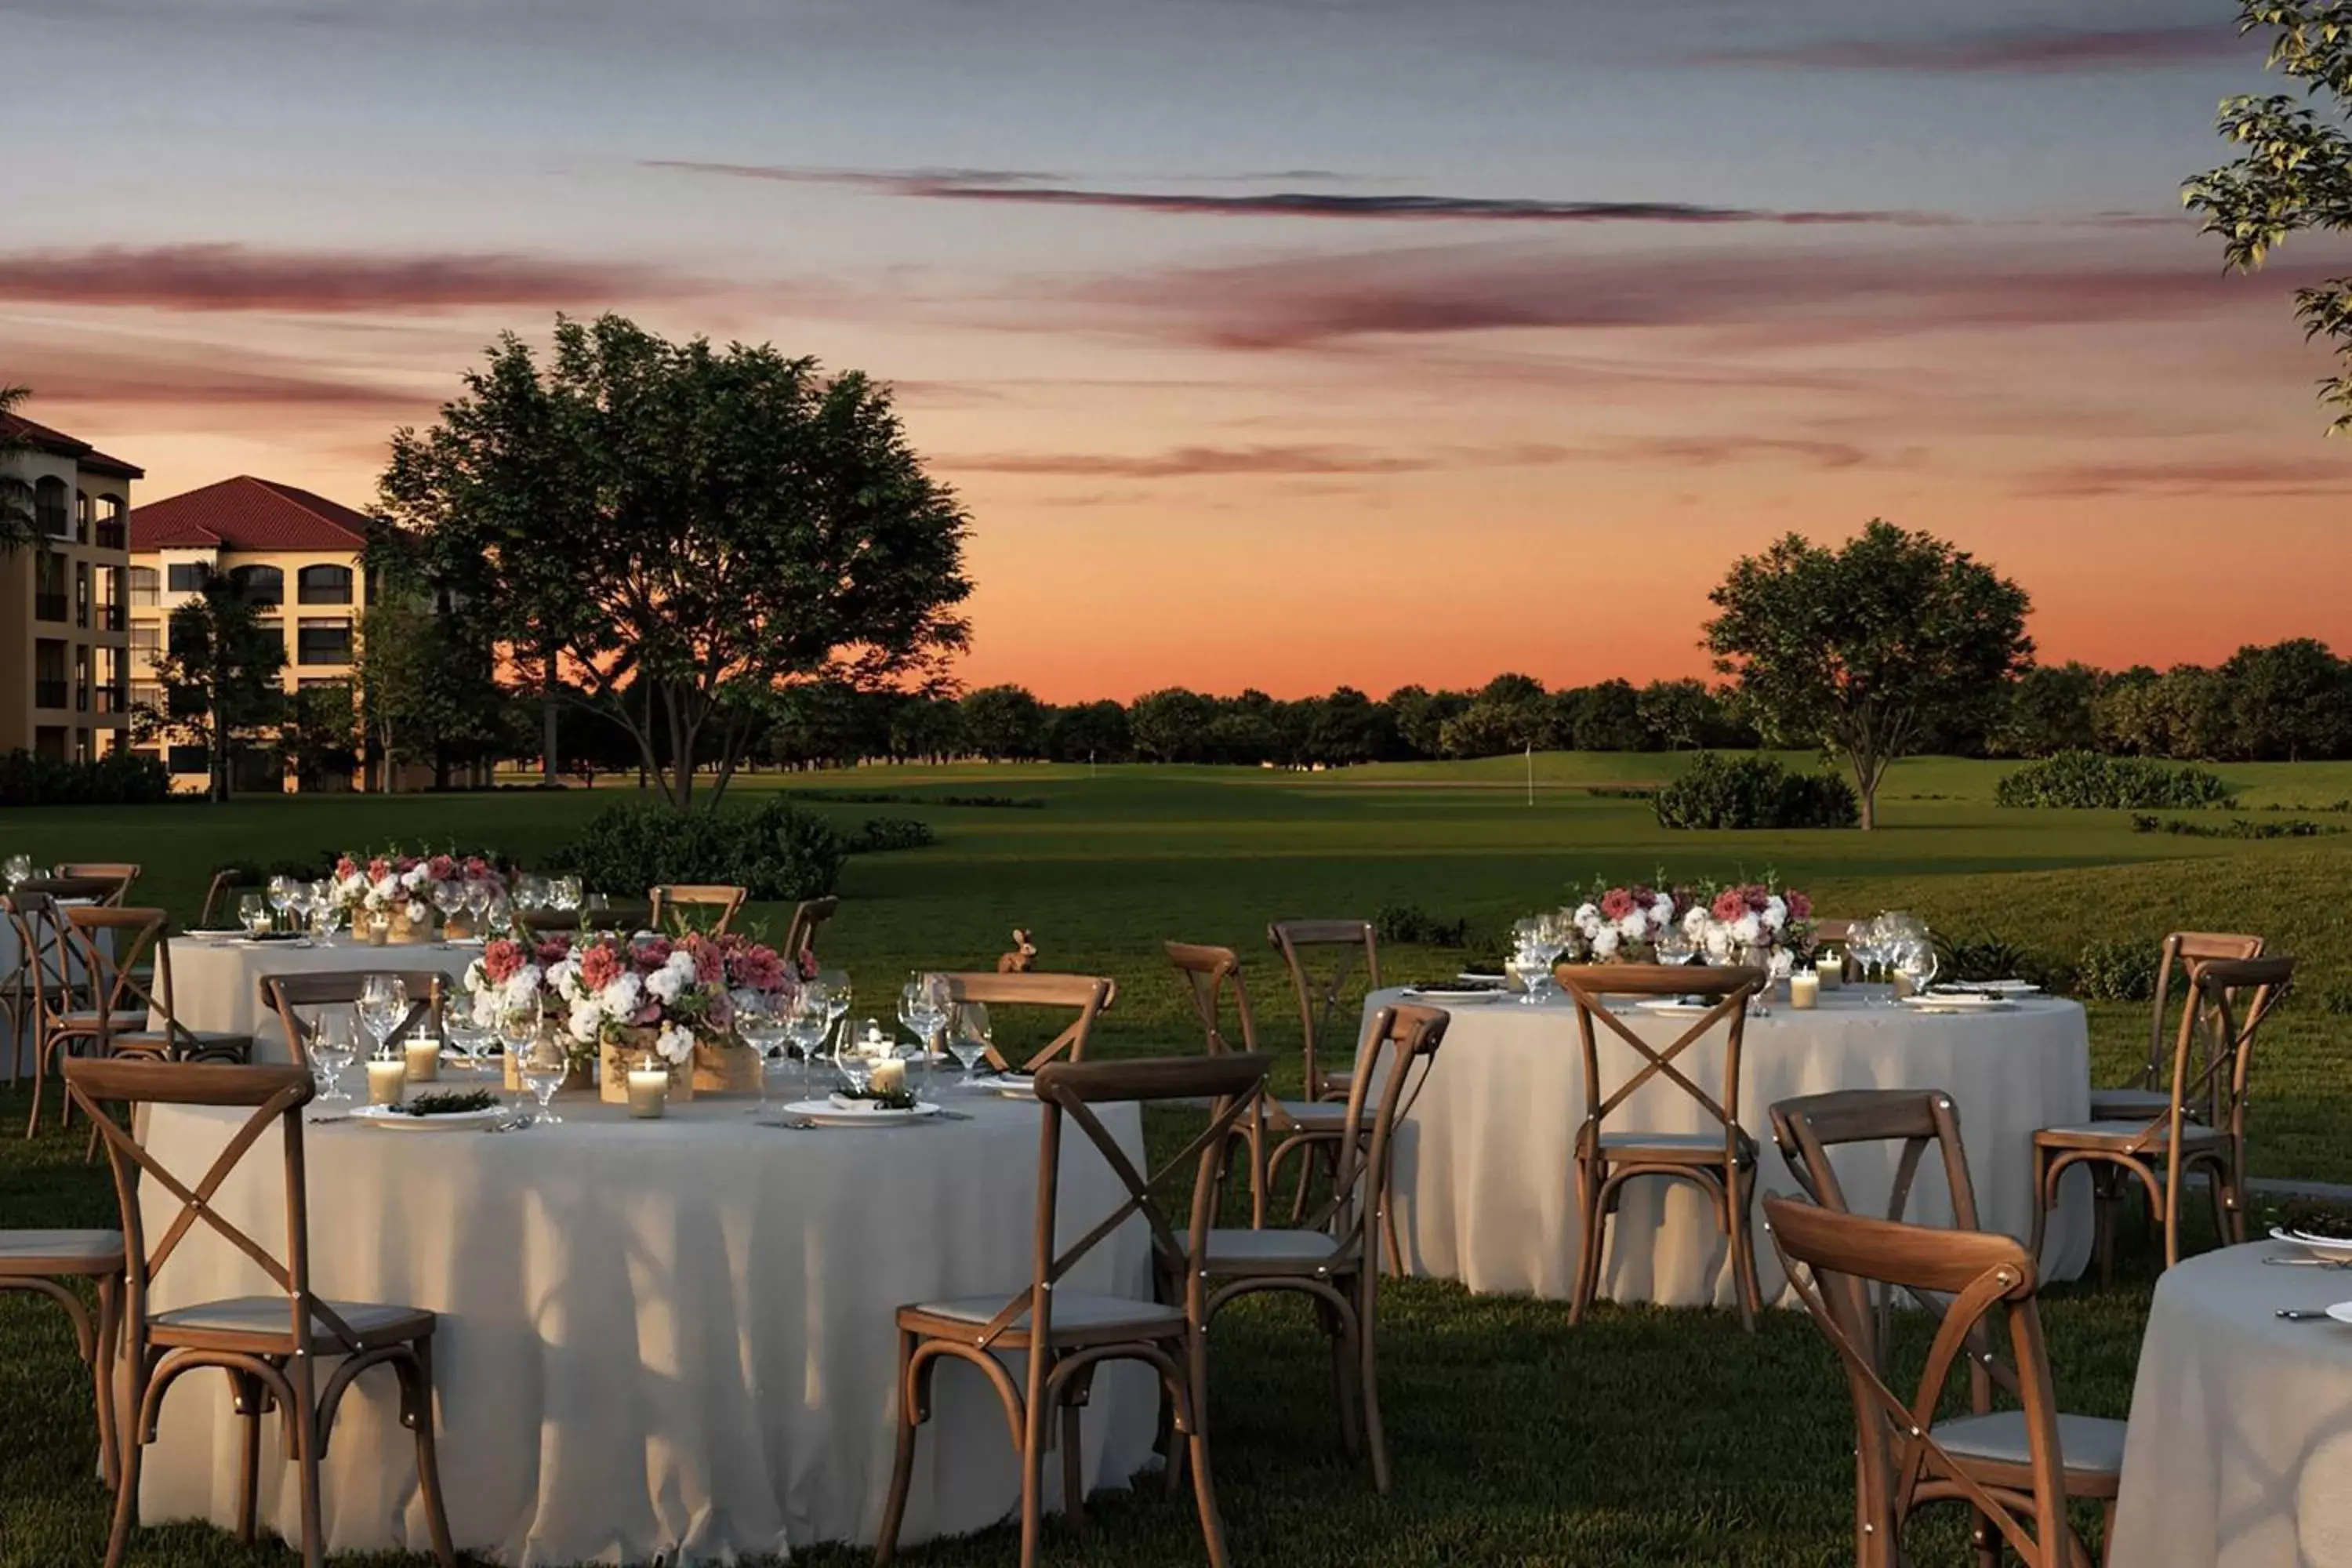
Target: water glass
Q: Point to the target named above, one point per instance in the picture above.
(281, 895)
(765, 1024)
(518, 1030)
(332, 1046)
(253, 913)
(383, 1006)
(543, 1066)
(18, 868)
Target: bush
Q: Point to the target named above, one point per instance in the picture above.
(881, 833)
(1411, 923)
(2236, 827)
(2088, 781)
(2117, 972)
(774, 851)
(1755, 792)
(118, 778)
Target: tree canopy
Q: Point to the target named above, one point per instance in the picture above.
(675, 533)
(222, 675)
(16, 519)
(2294, 173)
(1864, 648)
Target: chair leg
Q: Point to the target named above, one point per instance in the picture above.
(1590, 1179)
(1032, 1477)
(1743, 1248)
(1074, 1472)
(1204, 1491)
(134, 1448)
(1341, 1326)
(305, 1419)
(1367, 1371)
(2043, 1198)
(248, 1391)
(419, 1415)
(40, 1073)
(902, 1473)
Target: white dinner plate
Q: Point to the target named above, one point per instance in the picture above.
(1956, 1002)
(1674, 1009)
(2006, 987)
(1451, 998)
(2341, 1311)
(451, 1122)
(1469, 976)
(2326, 1247)
(825, 1113)
(1020, 1087)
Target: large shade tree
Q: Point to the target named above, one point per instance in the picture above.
(1862, 649)
(2294, 172)
(16, 519)
(222, 675)
(676, 533)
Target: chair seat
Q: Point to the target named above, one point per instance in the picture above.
(53, 1252)
(2125, 1104)
(2123, 1134)
(1075, 1313)
(1673, 1147)
(2092, 1446)
(85, 1021)
(242, 1320)
(1243, 1251)
(1315, 1115)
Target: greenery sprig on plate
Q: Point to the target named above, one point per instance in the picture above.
(884, 1099)
(449, 1102)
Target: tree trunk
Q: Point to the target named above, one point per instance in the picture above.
(548, 761)
(1865, 782)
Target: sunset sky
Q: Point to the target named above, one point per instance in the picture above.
(1272, 343)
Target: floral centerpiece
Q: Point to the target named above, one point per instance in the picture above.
(668, 999)
(1622, 925)
(403, 889)
(1749, 921)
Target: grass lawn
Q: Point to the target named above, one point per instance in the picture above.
(1644, 1437)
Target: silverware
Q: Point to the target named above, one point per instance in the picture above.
(325, 1120)
(515, 1124)
(2309, 1262)
(2301, 1314)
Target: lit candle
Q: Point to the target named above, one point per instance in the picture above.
(424, 1060)
(1832, 971)
(1804, 989)
(1902, 984)
(889, 1076)
(379, 930)
(386, 1078)
(648, 1090)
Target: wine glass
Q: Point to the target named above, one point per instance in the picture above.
(833, 984)
(466, 1036)
(764, 1020)
(543, 1066)
(805, 1026)
(1674, 944)
(333, 1047)
(20, 867)
(1917, 964)
(566, 894)
(477, 904)
(281, 895)
(382, 1005)
(448, 897)
(253, 913)
(971, 1038)
(518, 1027)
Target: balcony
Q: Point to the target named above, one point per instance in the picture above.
(49, 693)
(111, 699)
(49, 606)
(111, 534)
(82, 698)
(110, 617)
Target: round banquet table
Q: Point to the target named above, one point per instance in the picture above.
(1486, 1171)
(217, 977)
(669, 1339)
(2240, 1452)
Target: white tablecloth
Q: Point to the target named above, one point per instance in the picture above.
(1487, 1167)
(217, 981)
(2240, 1446)
(656, 1337)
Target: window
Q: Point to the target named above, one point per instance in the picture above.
(188, 576)
(82, 678)
(147, 640)
(50, 513)
(323, 641)
(112, 524)
(146, 587)
(49, 673)
(48, 586)
(81, 593)
(326, 584)
(85, 514)
(189, 760)
(259, 585)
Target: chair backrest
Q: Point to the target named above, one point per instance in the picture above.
(628, 919)
(1088, 995)
(1902, 1464)
(671, 900)
(110, 943)
(42, 946)
(2184, 951)
(1209, 974)
(1400, 1047)
(121, 873)
(1070, 1092)
(426, 990)
(1323, 958)
(97, 889)
(2233, 996)
(1725, 991)
(226, 881)
(808, 917)
(269, 1094)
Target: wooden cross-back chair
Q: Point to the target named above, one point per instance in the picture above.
(1721, 1163)
(627, 919)
(809, 917)
(227, 883)
(2010, 1468)
(1065, 1334)
(269, 1345)
(48, 995)
(81, 987)
(1309, 1130)
(1088, 996)
(120, 875)
(2149, 1093)
(1323, 957)
(2201, 1129)
(284, 995)
(1333, 1258)
(49, 1263)
(686, 906)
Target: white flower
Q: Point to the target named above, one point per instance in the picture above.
(415, 912)
(414, 877)
(665, 983)
(1747, 929)
(1635, 926)
(1776, 913)
(563, 979)
(623, 996)
(674, 1046)
(1604, 945)
(486, 1009)
(586, 1021)
(477, 979)
(1718, 940)
(1695, 923)
(522, 986)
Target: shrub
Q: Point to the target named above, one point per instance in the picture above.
(1996, 958)
(881, 833)
(1755, 792)
(2117, 972)
(118, 778)
(774, 851)
(2086, 780)
(1412, 924)
(2236, 827)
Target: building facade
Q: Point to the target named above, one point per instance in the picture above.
(297, 557)
(63, 670)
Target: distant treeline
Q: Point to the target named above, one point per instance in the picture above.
(2285, 702)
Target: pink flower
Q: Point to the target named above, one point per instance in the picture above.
(806, 964)
(553, 950)
(1801, 906)
(1616, 903)
(709, 959)
(652, 953)
(647, 1015)
(503, 959)
(441, 869)
(346, 868)
(477, 868)
(379, 868)
(722, 1011)
(757, 968)
(599, 966)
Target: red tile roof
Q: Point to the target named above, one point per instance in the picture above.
(57, 444)
(247, 513)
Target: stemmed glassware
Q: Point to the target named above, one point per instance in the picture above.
(281, 895)
(834, 986)
(477, 904)
(253, 913)
(333, 1047)
(529, 894)
(464, 1036)
(971, 1038)
(810, 1012)
(1917, 963)
(543, 1066)
(563, 894)
(382, 1005)
(18, 868)
(325, 914)
(448, 897)
(518, 1031)
(925, 1007)
(764, 1020)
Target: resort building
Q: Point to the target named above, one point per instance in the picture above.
(295, 555)
(62, 690)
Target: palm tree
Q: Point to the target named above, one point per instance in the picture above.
(16, 490)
